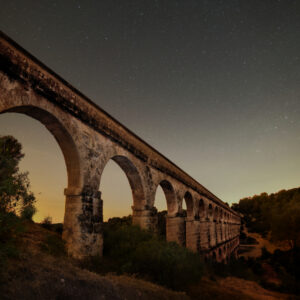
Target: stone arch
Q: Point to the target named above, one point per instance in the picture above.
(216, 214)
(134, 178)
(202, 212)
(189, 201)
(221, 214)
(210, 210)
(170, 195)
(63, 138)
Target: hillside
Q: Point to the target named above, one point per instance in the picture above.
(43, 271)
(37, 274)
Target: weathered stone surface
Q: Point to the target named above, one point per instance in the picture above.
(89, 138)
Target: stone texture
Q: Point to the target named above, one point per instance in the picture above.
(89, 138)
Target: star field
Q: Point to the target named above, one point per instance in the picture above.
(213, 85)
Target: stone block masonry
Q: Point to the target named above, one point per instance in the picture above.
(89, 138)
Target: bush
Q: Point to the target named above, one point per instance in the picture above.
(10, 227)
(235, 267)
(27, 212)
(129, 249)
(121, 242)
(54, 245)
(167, 264)
(47, 222)
(161, 223)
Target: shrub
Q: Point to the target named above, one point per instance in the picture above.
(54, 245)
(10, 227)
(167, 263)
(129, 249)
(28, 211)
(161, 223)
(117, 222)
(121, 242)
(241, 268)
(47, 222)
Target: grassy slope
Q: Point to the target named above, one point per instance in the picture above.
(38, 275)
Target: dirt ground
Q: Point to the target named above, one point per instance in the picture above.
(256, 250)
(39, 275)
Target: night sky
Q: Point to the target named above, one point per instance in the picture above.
(213, 85)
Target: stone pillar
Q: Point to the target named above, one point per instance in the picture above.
(175, 230)
(193, 235)
(218, 232)
(204, 233)
(83, 222)
(212, 233)
(230, 231)
(145, 218)
(227, 231)
(223, 231)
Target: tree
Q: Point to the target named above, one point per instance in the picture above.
(277, 212)
(15, 196)
(285, 223)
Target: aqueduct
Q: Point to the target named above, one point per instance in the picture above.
(89, 138)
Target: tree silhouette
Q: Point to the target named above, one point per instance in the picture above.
(15, 196)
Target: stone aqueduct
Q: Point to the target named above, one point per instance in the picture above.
(89, 138)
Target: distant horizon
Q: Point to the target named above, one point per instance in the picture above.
(52, 204)
(212, 85)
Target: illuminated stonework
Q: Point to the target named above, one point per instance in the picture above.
(89, 138)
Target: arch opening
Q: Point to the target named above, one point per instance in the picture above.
(210, 211)
(165, 203)
(114, 186)
(188, 198)
(169, 193)
(202, 213)
(61, 135)
(216, 214)
(50, 157)
(221, 215)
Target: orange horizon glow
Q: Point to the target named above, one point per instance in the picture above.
(47, 173)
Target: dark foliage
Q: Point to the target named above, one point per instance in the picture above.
(246, 269)
(54, 245)
(247, 240)
(128, 249)
(161, 223)
(14, 186)
(15, 197)
(278, 213)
